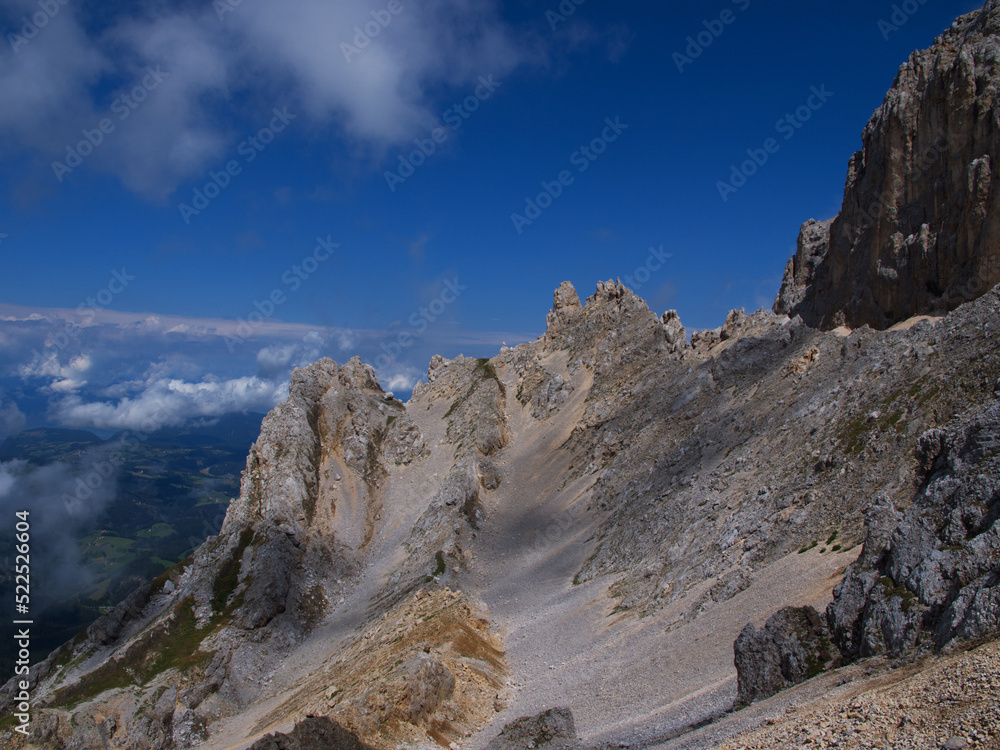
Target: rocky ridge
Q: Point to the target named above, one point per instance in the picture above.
(669, 447)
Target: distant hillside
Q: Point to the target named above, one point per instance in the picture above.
(171, 493)
(44, 444)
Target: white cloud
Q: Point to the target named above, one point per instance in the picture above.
(59, 497)
(398, 377)
(125, 370)
(263, 54)
(346, 340)
(46, 84)
(275, 360)
(64, 378)
(167, 403)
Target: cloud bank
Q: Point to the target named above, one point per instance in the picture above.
(132, 371)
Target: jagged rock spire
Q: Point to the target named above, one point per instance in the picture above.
(565, 307)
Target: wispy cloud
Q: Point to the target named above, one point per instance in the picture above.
(52, 496)
(12, 419)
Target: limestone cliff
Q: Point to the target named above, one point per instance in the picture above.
(919, 230)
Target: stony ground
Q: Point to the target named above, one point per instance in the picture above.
(953, 702)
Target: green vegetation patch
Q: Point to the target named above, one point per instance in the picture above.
(173, 644)
(229, 574)
(158, 531)
(853, 435)
(891, 590)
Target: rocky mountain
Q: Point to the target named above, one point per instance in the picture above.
(564, 544)
(919, 230)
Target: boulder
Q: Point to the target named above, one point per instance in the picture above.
(312, 733)
(792, 647)
(551, 730)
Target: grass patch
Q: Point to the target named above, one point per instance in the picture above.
(441, 567)
(485, 369)
(178, 647)
(853, 434)
(157, 531)
(812, 545)
(229, 574)
(168, 645)
(373, 466)
(892, 590)
(161, 580)
(929, 395)
(101, 591)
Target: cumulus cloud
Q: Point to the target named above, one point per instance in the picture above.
(127, 371)
(398, 378)
(346, 340)
(168, 403)
(67, 378)
(276, 361)
(261, 55)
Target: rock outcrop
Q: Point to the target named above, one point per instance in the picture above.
(662, 482)
(312, 734)
(919, 230)
(927, 578)
(107, 628)
(550, 730)
(935, 580)
(793, 646)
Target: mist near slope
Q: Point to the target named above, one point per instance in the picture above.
(60, 497)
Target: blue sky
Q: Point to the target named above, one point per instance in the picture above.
(117, 301)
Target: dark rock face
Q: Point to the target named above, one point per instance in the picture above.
(793, 646)
(105, 629)
(920, 222)
(927, 579)
(318, 733)
(936, 579)
(551, 730)
(267, 592)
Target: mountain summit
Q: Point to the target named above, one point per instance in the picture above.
(563, 543)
